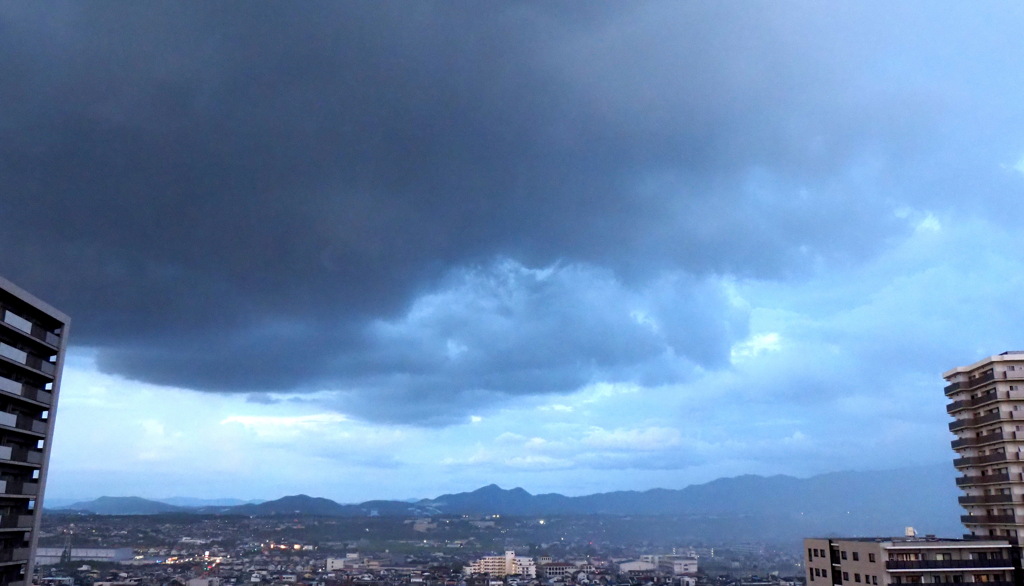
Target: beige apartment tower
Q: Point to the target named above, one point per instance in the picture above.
(33, 337)
(987, 402)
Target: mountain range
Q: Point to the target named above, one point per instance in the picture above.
(848, 503)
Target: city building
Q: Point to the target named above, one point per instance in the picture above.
(52, 555)
(987, 403)
(675, 565)
(908, 560)
(33, 337)
(507, 565)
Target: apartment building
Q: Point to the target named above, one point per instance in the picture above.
(33, 337)
(987, 403)
(908, 560)
(507, 565)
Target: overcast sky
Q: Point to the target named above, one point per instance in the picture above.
(387, 250)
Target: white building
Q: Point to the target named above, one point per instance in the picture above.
(506, 565)
(677, 565)
(637, 566)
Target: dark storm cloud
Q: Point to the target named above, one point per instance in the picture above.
(236, 197)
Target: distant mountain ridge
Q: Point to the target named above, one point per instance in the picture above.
(854, 503)
(125, 505)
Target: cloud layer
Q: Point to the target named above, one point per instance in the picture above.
(414, 215)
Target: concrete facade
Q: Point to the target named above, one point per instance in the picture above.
(33, 339)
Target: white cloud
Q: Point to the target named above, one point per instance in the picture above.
(756, 345)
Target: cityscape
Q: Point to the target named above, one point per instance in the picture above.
(658, 293)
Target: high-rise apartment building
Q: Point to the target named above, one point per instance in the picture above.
(33, 337)
(987, 402)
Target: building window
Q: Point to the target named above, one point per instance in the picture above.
(842, 554)
(810, 554)
(874, 580)
(856, 577)
(856, 558)
(871, 557)
(846, 576)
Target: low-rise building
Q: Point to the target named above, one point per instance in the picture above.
(677, 565)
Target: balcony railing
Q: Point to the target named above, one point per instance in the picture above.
(970, 383)
(987, 479)
(17, 521)
(18, 554)
(19, 488)
(22, 390)
(984, 420)
(23, 422)
(960, 424)
(987, 499)
(980, 380)
(946, 564)
(35, 330)
(985, 399)
(988, 438)
(988, 519)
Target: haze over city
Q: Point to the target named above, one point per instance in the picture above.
(393, 250)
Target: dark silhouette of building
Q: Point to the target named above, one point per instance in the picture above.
(33, 337)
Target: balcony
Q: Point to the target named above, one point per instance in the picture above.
(957, 406)
(980, 380)
(983, 420)
(23, 422)
(988, 438)
(993, 417)
(17, 521)
(988, 520)
(19, 554)
(988, 499)
(985, 399)
(27, 391)
(970, 383)
(19, 356)
(980, 480)
(998, 458)
(18, 488)
(966, 461)
(961, 424)
(946, 564)
(35, 330)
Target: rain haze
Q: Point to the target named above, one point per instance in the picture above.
(388, 250)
